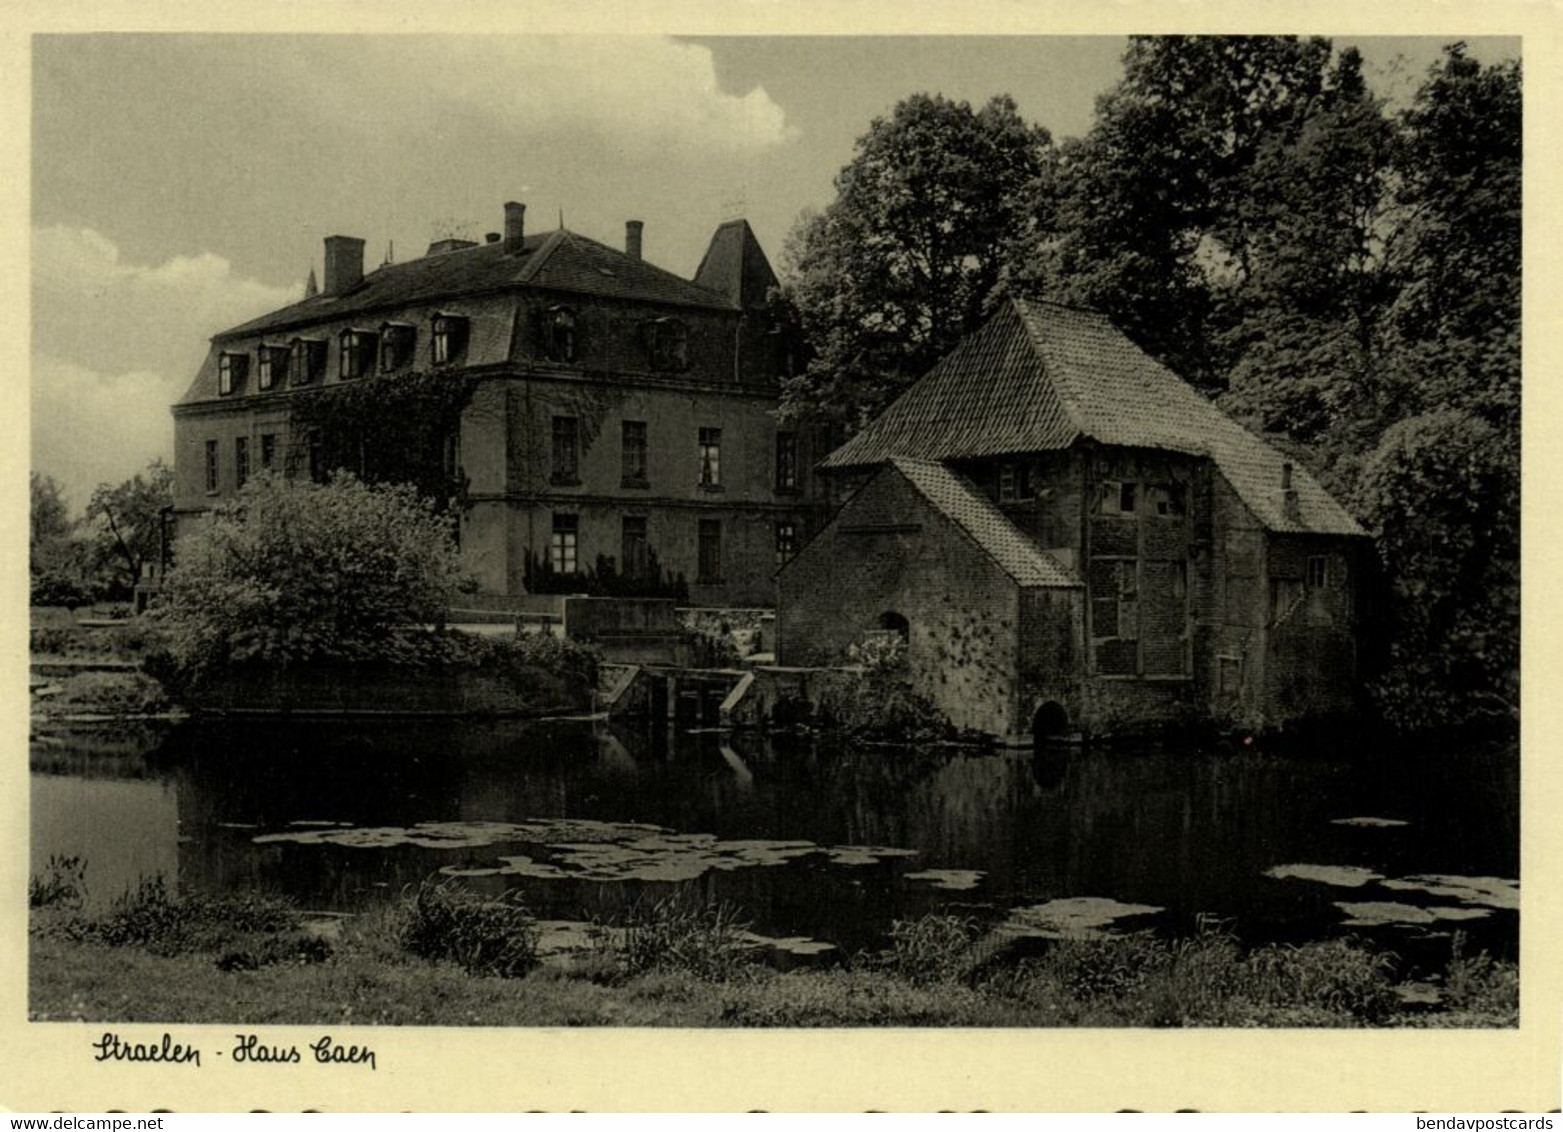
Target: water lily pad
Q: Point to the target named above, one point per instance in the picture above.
(1073, 917)
(1384, 913)
(952, 880)
(1342, 876)
(1370, 823)
(865, 854)
(1488, 892)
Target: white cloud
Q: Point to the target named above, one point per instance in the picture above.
(91, 427)
(115, 344)
(91, 307)
(643, 95)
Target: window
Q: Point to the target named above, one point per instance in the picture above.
(786, 542)
(450, 334)
(450, 455)
(230, 372)
(1318, 572)
(633, 454)
(667, 343)
(397, 342)
(1165, 500)
(786, 461)
(563, 545)
(710, 564)
(357, 353)
(710, 457)
(308, 360)
(567, 463)
(211, 467)
(271, 365)
(268, 450)
(559, 336)
(636, 560)
(241, 460)
(1116, 497)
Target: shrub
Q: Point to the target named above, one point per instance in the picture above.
(442, 920)
(880, 702)
(62, 884)
(679, 933)
(1335, 975)
(292, 570)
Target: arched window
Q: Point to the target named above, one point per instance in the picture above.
(1050, 722)
(892, 622)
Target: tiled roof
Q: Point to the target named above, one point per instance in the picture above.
(559, 260)
(735, 266)
(957, 500)
(1040, 376)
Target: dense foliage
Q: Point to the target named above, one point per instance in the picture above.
(100, 554)
(1340, 275)
(292, 570)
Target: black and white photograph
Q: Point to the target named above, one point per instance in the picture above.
(830, 532)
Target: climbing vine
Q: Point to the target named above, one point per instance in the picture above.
(385, 429)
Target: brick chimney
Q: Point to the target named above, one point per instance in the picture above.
(632, 231)
(344, 264)
(515, 226)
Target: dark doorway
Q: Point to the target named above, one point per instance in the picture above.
(1050, 722)
(895, 623)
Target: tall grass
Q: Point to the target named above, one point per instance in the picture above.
(681, 933)
(442, 920)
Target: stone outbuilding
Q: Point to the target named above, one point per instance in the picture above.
(1073, 540)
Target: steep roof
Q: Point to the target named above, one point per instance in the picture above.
(1040, 376)
(559, 260)
(958, 500)
(735, 266)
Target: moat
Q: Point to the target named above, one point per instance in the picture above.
(817, 842)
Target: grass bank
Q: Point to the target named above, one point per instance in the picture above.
(443, 956)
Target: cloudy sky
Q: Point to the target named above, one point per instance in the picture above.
(183, 183)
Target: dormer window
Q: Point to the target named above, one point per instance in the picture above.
(231, 369)
(306, 359)
(561, 334)
(397, 340)
(667, 343)
(271, 366)
(448, 339)
(357, 352)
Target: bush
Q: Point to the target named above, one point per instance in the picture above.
(880, 702)
(679, 933)
(293, 571)
(442, 920)
(1482, 985)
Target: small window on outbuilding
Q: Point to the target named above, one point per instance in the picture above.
(1116, 497)
(786, 542)
(1318, 572)
(1165, 500)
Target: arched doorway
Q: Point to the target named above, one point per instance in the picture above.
(892, 622)
(1050, 722)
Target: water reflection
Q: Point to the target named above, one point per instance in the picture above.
(1187, 830)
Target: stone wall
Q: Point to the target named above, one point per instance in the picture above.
(888, 551)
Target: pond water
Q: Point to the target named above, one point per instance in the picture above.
(810, 841)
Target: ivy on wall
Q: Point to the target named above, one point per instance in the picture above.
(384, 429)
(605, 580)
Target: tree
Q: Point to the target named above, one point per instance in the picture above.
(292, 570)
(129, 524)
(906, 258)
(57, 562)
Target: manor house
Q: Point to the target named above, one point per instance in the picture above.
(620, 436)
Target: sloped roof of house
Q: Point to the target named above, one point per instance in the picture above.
(1040, 376)
(560, 260)
(958, 500)
(735, 266)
